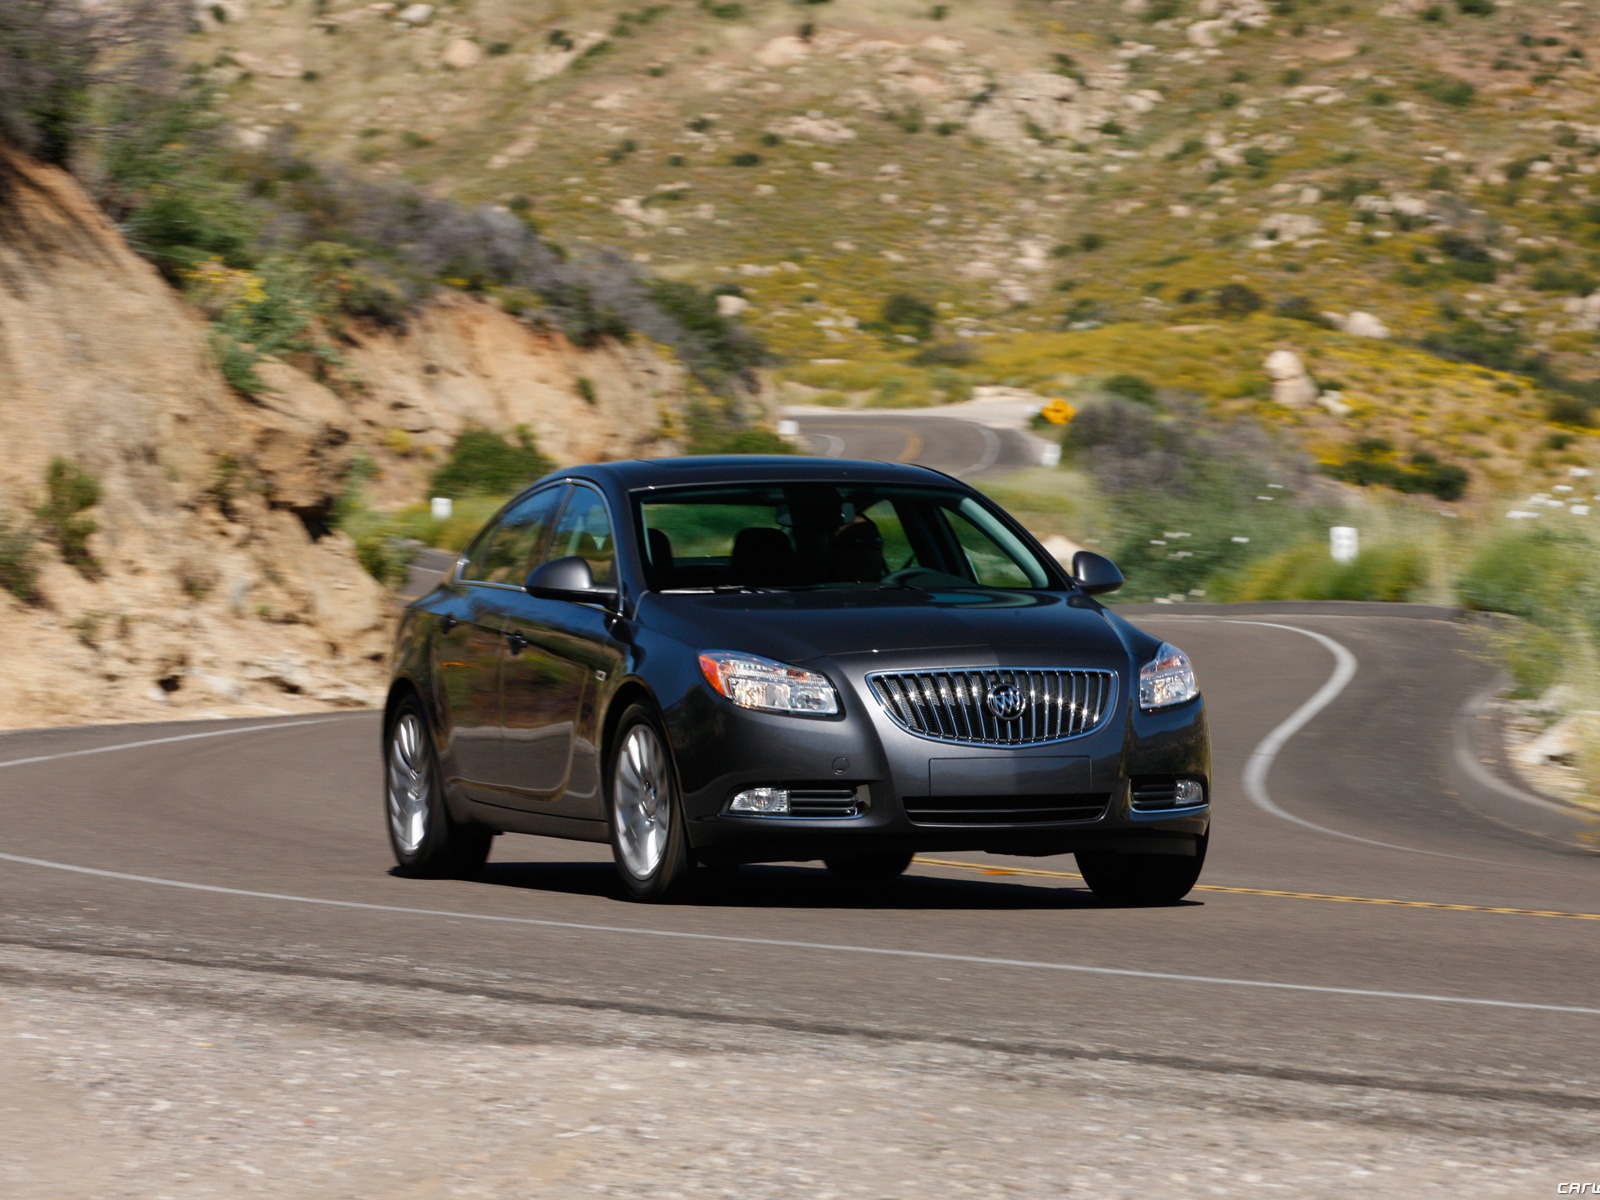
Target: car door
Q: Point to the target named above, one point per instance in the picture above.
(470, 649)
(559, 655)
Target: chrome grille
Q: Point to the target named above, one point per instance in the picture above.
(953, 706)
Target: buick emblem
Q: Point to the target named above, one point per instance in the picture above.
(1006, 701)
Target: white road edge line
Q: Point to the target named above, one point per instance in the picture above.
(1256, 767)
(777, 943)
(166, 741)
(1481, 775)
(828, 947)
(991, 450)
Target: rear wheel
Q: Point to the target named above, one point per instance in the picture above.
(427, 841)
(648, 839)
(869, 867)
(1141, 879)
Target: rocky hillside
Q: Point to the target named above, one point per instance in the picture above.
(908, 199)
(164, 542)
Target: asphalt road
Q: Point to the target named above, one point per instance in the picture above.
(963, 448)
(1371, 915)
(1390, 931)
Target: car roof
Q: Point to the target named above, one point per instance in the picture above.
(641, 474)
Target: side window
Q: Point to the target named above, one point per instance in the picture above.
(585, 530)
(507, 552)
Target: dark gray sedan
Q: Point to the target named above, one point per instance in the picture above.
(717, 661)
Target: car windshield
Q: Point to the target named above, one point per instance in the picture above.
(826, 535)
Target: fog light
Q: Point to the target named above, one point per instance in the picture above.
(761, 800)
(1188, 792)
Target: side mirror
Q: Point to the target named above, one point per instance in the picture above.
(1095, 573)
(568, 579)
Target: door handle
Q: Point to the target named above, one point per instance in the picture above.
(447, 622)
(517, 642)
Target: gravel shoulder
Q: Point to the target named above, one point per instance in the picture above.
(128, 1077)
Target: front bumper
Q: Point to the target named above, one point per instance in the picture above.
(1100, 790)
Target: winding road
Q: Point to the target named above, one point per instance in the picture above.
(967, 449)
(1385, 915)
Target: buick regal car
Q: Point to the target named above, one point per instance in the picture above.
(714, 661)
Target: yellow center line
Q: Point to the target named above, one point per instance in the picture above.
(979, 868)
(908, 452)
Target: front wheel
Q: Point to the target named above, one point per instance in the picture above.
(648, 839)
(1141, 880)
(427, 841)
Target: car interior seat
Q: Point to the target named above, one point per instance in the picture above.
(658, 571)
(762, 557)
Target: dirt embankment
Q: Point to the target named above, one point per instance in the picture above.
(218, 586)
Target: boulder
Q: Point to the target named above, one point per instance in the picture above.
(1364, 324)
(1292, 386)
(416, 15)
(1586, 312)
(1559, 745)
(783, 52)
(461, 54)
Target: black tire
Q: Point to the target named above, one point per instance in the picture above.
(427, 841)
(870, 868)
(649, 841)
(1141, 880)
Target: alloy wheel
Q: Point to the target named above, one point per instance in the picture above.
(410, 782)
(642, 797)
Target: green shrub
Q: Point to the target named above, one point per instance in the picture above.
(69, 491)
(19, 567)
(1574, 281)
(945, 354)
(1393, 572)
(1542, 575)
(483, 463)
(386, 557)
(417, 523)
(1500, 347)
(1353, 186)
(718, 350)
(1300, 308)
(1565, 409)
(47, 53)
(1447, 89)
(1130, 387)
(1182, 492)
(1371, 462)
(1238, 300)
(904, 313)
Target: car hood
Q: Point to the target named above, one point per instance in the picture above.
(896, 627)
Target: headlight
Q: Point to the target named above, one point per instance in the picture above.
(751, 681)
(1167, 679)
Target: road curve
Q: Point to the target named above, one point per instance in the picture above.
(959, 446)
(1366, 919)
